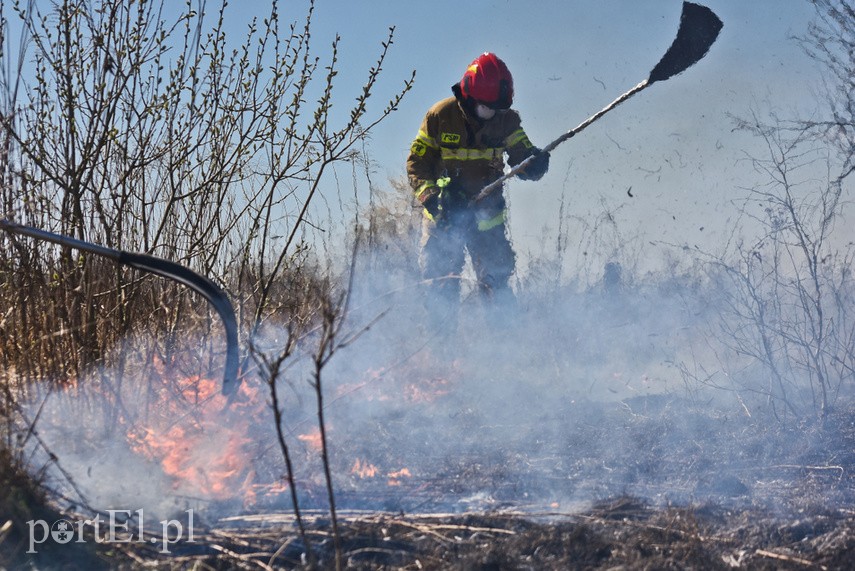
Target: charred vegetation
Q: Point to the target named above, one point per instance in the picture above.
(696, 419)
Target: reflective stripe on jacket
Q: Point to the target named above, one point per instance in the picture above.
(469, 151)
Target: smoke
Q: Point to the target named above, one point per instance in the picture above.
(146, 435)
(88, 460)
(562, 398)
(490, 415)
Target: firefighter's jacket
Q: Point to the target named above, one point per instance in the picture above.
(470, 152)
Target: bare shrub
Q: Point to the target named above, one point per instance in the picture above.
(142, 126)
(151, 134)
(789, 293)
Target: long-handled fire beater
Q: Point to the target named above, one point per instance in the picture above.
(201, 284)
(699, 28)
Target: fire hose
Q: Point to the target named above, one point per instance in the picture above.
(699, 28)
(171, 270)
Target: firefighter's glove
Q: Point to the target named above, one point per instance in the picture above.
(431, 205)
(536, 167)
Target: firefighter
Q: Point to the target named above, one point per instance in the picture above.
(460, 148)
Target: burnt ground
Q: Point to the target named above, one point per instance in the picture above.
(622, 533)
(644, 483)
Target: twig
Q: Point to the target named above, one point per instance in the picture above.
(648, 526)
(240, 557)
(140, 560)
(232, 538)
(780, 557)
(279, 551)
(472, 529)
(840, 469)
(422, 529)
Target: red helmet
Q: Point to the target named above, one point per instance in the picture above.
(488, 81)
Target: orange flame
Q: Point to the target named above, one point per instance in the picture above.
(395, 477)
(312, 439)
(186, 434)
(364, 470)
(417, 393)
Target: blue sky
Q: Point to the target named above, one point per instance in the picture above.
(673, 144)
